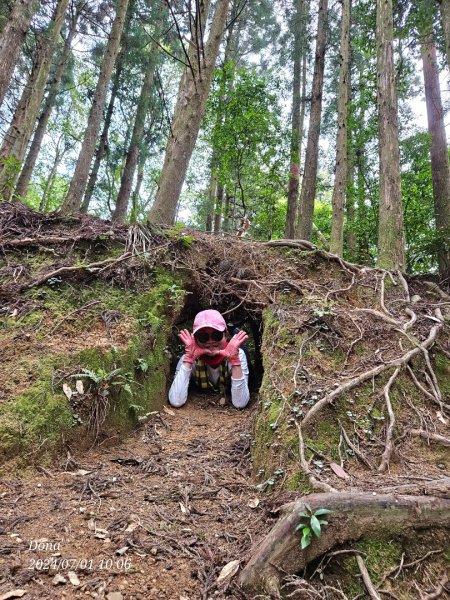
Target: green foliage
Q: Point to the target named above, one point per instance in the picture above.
(313, 524)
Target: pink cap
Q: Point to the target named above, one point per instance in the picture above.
(209, 318)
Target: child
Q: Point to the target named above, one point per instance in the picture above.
(211, 360)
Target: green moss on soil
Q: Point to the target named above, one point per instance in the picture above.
(34, 422)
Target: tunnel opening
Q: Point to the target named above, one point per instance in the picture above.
(237, 319)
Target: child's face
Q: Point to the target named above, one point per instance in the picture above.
(210, 344)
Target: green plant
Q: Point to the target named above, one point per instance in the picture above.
(313, 524)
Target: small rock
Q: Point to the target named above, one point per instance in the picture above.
(13, 594)
(73, 578)
(114, 596)
(222, 402)
(57, 579)
(154, 551)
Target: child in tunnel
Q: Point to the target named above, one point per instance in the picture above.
(211, 361)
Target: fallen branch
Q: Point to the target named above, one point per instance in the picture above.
(354, 515)
(349, 385)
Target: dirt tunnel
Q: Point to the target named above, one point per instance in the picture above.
(238, 319)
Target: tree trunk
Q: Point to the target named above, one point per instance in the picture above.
(30, 161)
(440, 168)
(21, 128)
(136, 139)
(312, 148)
(189, 109)
(354, 515)
(211, 197)
(390, 226)
(445, 15)
(226, 212)
(72, 201)
(302, 121)
(340, 179)
(218, 208)
(12, 38)
(294, 171)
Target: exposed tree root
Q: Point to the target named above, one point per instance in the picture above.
(438, 591)
(366, 578)
(389, 445)
(354, 515)
(352, 383)
(431, 437)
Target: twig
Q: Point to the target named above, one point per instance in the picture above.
(438, 591)
(366, 578)
(354, 448)
(72, 313)
(320, 485)
(386, 456)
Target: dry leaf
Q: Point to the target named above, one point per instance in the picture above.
(73, 578)
(67, 391)
(13, 594)
(82, 472)
(121, 551)
(441, 417)
(229, 570)
(254, 503)
(184, 509)
(168, 411)
(339, 471)
(131, 527)
(79, 386)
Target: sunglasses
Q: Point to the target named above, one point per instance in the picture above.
(203, 336)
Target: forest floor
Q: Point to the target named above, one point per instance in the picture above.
(156, 516)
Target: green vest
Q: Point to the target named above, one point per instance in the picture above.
(202, 381)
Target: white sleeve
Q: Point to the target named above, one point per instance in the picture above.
(179, 389)
(240, 394)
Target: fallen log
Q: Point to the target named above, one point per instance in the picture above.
(354, 515)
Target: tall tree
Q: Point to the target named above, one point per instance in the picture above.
(12, 37)
(21, 128)
(440, 168)
(190, 106)
(391, 253)
(73, 199)
(299, 49)
(33, 152)
(306, 208)
(340, 181)
(132, 156)
(445, 14)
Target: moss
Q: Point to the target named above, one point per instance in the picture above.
(298, 482)
(35, 421)
(442, 370)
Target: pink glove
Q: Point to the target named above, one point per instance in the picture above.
(231, 352)
(192, 351)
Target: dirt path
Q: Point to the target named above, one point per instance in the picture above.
(157, 516)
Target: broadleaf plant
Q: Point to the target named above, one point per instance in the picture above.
(313, 524)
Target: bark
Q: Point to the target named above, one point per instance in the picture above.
(440, 168)
(312, 148)
(218, 208)
(445, 15)
(30, 161)
(340, 180)
(390, 225)
(354, 515)
(189, 109)
(21, 128)
(211, 197)
(12, 38)
(72, 201)
(136, 139)
(294, 171)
